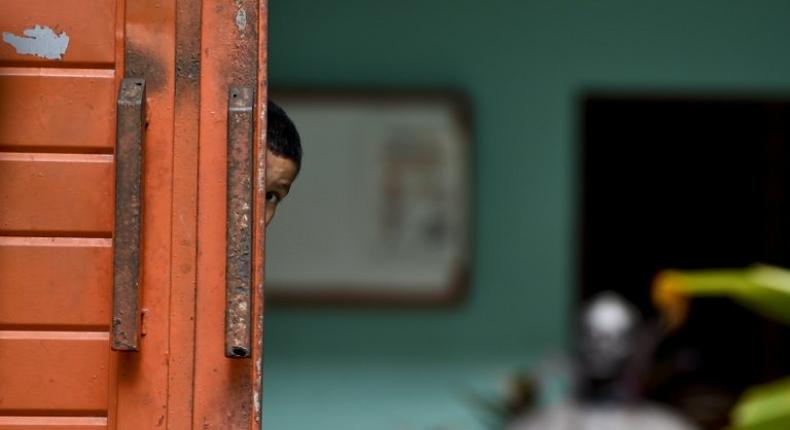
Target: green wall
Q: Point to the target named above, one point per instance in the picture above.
(523, 64)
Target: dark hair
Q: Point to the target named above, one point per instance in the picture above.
(281, 135)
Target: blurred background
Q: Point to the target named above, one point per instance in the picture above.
(608, 140)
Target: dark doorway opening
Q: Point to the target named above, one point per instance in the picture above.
(689, 182)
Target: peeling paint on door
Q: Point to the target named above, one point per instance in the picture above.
(40, 41)
(241, 20)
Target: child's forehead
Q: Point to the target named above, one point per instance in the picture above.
(280, 168)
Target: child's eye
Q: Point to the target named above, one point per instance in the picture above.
(272, 197)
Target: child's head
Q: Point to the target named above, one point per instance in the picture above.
(283, 157)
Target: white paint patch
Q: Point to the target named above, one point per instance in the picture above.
(256, 403)
(261, 175)
(40, 41)
(256, 398)
(241, 20)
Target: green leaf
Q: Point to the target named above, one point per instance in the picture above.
(765, 407)
(765, 289)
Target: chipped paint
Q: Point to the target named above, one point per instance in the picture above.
(256, 402)
(261, 175)
(241, 20)
(40, 41)
(256, 391)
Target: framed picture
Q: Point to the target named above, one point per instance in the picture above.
(380, 212)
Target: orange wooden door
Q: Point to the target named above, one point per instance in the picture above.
(61, 66)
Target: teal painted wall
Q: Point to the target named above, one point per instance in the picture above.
(523, 64)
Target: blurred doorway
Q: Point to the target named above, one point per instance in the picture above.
(689, 182)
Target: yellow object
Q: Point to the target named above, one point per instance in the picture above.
(670, 298)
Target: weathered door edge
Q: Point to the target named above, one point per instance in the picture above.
(259, 205)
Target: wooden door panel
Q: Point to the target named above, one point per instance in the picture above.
(50, 282)
(56, 194)
(65, 111)
(53, 423)
(88, 24)
(61, 372)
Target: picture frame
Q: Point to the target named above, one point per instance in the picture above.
(380, 212)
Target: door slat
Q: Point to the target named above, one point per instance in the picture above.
(55, 282)
(53, 371)
(56, 194)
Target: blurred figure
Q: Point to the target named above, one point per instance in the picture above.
(608, 356)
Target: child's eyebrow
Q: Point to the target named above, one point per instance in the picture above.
(284, 184)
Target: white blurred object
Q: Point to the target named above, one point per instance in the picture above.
(607, 351)
(607, 335)
(603, 417)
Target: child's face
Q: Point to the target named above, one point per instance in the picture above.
(280, 174)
